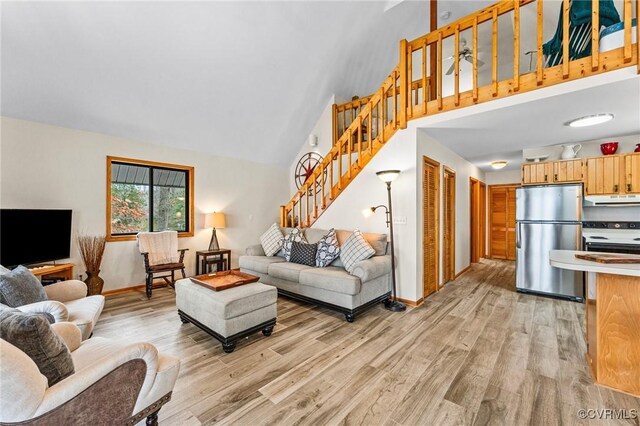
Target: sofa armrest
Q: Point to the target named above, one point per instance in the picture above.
(372, 268)
(69, 333)
(66, 291)
(53, 307)
(73, 385)
(255, 250)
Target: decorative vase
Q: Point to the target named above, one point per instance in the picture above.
(570, 151)
(609, 148)
(94, 283)
(637, 148)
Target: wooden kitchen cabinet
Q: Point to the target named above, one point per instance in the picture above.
(568, 171)
(536, 173)
(632, 173)
(603, 175)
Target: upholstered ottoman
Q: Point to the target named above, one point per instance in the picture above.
(230, 314)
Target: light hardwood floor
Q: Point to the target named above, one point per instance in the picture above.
(477, 352)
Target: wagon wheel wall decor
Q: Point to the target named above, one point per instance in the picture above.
(305, 168)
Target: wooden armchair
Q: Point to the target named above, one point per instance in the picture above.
(162, 258)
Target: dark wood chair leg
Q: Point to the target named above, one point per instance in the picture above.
(183, 274)
(149, 285)
(152, 419)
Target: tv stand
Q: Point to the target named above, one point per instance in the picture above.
(63, 271)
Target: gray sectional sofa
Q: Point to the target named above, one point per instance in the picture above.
(332, 286)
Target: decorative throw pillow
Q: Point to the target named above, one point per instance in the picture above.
(294, 236)
(32, 334)
(304, 254)
(355, 249)
(4, 270)
(271, 240)
(328, 249)
(20, 287)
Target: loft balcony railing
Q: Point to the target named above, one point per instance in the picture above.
(421, 85)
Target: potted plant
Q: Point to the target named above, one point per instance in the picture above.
(92, 249)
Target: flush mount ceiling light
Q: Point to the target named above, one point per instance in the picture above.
(498, 164)
(590, 120)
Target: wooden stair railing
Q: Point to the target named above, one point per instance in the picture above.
(412, 92)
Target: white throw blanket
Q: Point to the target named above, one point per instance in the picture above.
(161, 246)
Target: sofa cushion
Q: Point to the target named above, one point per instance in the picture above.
(4, 270)
(258, 263)
(295, 236)
(356, 248)
(286, 271)
(20, 287)
(304, 254)
(271, 240)
(330, 278)
(377, 241)
(328, 249)
(85, 313)
(32, 334)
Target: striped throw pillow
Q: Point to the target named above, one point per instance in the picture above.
(271, 240)
(355, 249)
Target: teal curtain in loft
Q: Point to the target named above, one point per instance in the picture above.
(579, 30)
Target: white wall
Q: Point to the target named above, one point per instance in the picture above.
(503, 177)
(45, 166)
(368, 190)
(436, 150)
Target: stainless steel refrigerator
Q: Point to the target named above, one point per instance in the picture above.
(548, 218)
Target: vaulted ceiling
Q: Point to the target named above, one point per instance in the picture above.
(238, 79)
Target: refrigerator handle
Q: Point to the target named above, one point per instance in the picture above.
(518, 225)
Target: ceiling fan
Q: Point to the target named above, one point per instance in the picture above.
(466, 53)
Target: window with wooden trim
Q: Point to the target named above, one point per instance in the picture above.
(148, 196)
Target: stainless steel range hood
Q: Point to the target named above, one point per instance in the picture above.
(612, 200)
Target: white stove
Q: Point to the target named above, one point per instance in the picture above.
(611, 237)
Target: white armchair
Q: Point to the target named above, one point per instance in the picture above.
(68, 301)
(114, 383)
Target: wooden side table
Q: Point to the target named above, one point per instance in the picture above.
(61, 272)
(206, 258)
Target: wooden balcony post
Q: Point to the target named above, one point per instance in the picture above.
(474, 36)
(595, 34)
(516, 46)
(539, 55)
(402, 117)
(439, 69)
(565, 39)
(283, 215)
(456, 66)
(494, 56)
(627, 31)
(638, 33)
(334, 113)
(425, 93)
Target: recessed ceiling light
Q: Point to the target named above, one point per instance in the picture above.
(590, 120)
(498, 164)
(445, 15)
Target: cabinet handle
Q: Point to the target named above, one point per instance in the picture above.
(615, 188)
(555, 177)
(545, 178)
(628, 187)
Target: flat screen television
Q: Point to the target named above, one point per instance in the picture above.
(34, 236)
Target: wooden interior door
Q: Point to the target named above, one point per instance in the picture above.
(603, 175)
(482, 222)
(476, 218)
(430, 225)
(449, 226)
(502, 217)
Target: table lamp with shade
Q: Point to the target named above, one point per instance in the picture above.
(214, 220)
(388, 176)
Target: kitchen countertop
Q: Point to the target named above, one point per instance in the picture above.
(566, 259)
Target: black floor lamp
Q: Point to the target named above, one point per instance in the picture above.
(388, 176)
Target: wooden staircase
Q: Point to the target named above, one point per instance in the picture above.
(363, 126)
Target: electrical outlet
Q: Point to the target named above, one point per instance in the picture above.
(400, 220)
